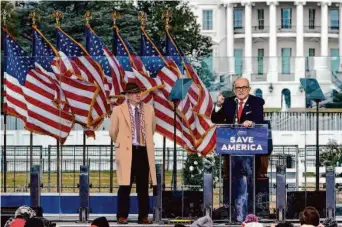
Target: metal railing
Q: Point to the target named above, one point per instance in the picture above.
(299, 162)
(312, 29)
(259, 77)
(260, 29)
(280, 121)
(301, 121)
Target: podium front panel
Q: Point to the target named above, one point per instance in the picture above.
(238, 140)
(242, 186)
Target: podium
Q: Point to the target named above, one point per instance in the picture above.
(241, 144)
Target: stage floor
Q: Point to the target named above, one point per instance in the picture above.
(66, 220)
(113, 224)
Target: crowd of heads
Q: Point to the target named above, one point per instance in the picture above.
(25, 216)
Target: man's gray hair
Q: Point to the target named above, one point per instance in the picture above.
(241, 78)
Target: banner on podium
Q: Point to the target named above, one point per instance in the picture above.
(237, 140)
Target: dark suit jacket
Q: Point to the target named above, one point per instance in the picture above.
(252, 111)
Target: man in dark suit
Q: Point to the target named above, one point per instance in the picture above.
(247, 110)
(244, 109)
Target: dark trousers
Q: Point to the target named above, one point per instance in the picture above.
(140, 173)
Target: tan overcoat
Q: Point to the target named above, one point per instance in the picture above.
(120, 132)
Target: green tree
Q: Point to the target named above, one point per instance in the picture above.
(331, 155)
(193, 171)
(337, 100)
(184, 26)
(196, 166)
(204, 72)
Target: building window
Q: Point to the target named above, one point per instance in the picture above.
(237, 18)
(207, 20)
(334, 21)
(312, 14)
(286, 18)
(238, 61)
(286, 60)
(311, 52)
(208, 62)
(260, 61)
(334, 61)
(285, 98)
(261, 19)
(258, 93)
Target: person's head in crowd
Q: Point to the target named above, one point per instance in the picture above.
(329, 222)
(15, 222)
(309, 216)
(100, 222)
(25, 212)
(284, 224)
(251, 218)
(203, 222)
(251, 221)
(34, 222)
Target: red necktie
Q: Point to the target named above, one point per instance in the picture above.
(240, 110)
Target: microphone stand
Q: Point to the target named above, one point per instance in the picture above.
(236, 120)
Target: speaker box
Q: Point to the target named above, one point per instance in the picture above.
(297, 201)
(262, 197)
(182, 204)
(8, 212)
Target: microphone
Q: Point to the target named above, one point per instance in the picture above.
(236, 120)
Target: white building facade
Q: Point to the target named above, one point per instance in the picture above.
(274, 44)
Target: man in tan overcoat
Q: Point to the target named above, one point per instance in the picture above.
(132, 126)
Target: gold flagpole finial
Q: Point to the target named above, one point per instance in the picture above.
(34, 16)
(142, 16)
(58, 15)
(115, 16)
(88, 16)
(167, 15)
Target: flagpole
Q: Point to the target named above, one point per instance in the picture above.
(57, 148)
(174, 171)
(4, 18)
(5, 148)
(84, 148)
(164, 150)
(57, 15)
(31, 148)
(111, 166)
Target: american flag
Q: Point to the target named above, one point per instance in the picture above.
(32, 95)
(113, 71)
(75, 59)
(202, 103)
(133, 66)
(167, 71)
(80, 94)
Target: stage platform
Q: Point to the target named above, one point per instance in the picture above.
(68, 221)
(113, 224)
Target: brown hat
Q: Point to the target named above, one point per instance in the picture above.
(132, 88)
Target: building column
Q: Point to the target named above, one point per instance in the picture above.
(273, 58)
(248, 41)
(324, 30)
(300, 58)
(340, 36)
(321, 64)
(230, 38)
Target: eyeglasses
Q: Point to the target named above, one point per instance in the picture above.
(241, 88)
